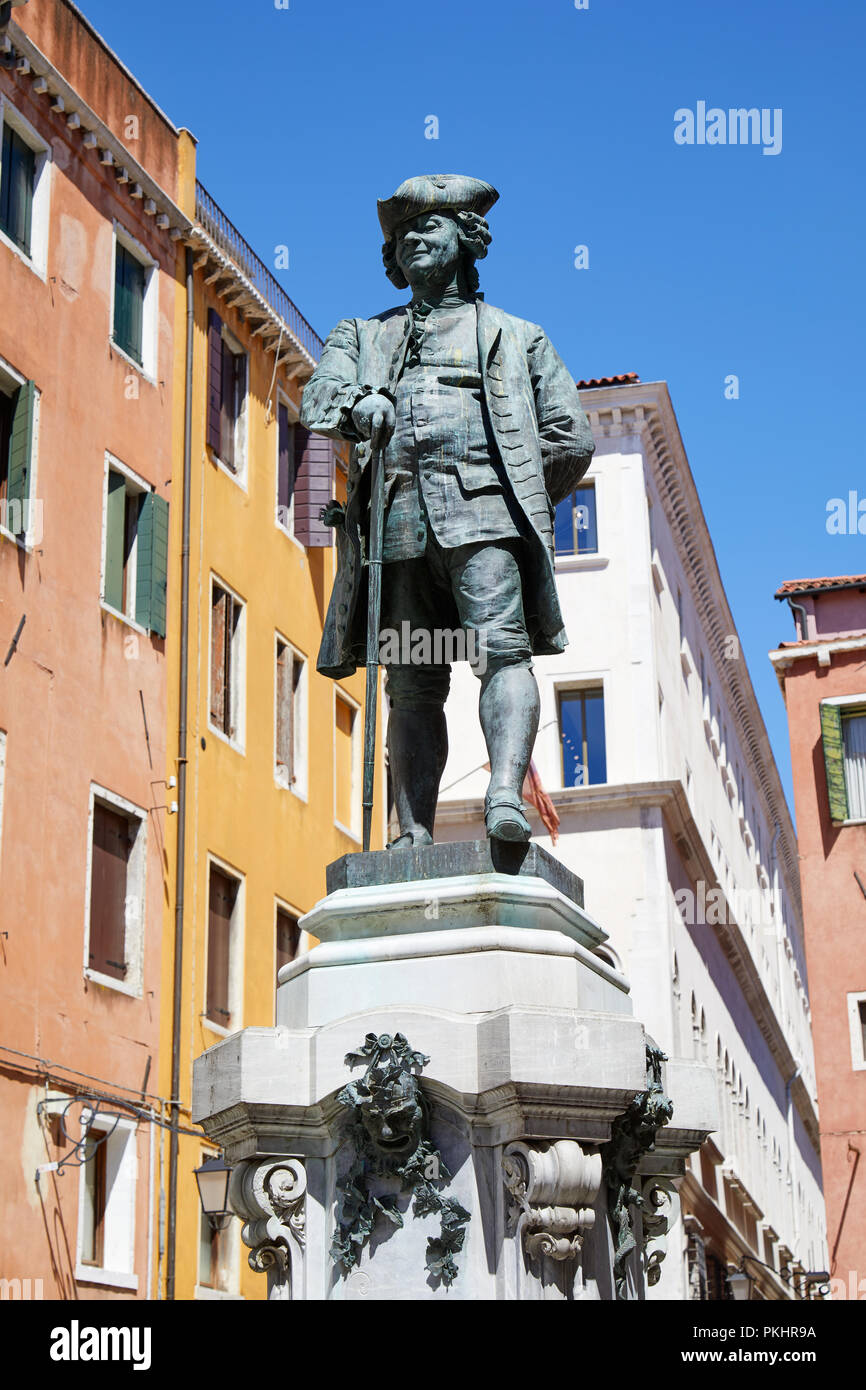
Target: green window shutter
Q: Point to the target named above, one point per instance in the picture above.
(115, 525)
(152, 564)
(17, 177)
(128, 303)
(834, 760)
(21, 454)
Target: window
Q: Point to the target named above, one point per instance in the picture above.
(116, 883)
(581, 725)
(575, 525)
(290, 720)
(24, 171)
(17, 177)
(286, 469)
(19, 401)
(222, 1005)
(347, 764)
(227, 393)
(857, 1025)
(214, 1257)
(106, 1204)
(217, 1258)
(134, 312)
(135, 549)
(93, 1222)
(227, 663)
(288, 938)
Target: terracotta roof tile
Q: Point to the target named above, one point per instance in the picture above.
(627, 379)
(809, 586)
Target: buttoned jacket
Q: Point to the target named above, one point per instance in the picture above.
(541, 431)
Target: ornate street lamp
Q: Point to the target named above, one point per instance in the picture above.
(740, 1281)
(213, 1192)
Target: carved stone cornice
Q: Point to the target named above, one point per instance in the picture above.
(269, 1194)
(645, 412)
(553, 1188)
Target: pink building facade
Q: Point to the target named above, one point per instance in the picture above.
(823, 678)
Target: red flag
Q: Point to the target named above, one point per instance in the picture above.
(534, 792)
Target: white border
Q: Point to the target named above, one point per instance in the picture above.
(37, 261)
(236, 949)
(140, 485)
(136, 904)
(242, 424)
(300, 752)
(356, 832)
(30, 540)
(119, 1206)
(148, 366)
(858, 1056)
(238, 687)
(284, 399)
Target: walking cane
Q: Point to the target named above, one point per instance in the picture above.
(374, 609)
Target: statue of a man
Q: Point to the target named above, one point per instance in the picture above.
(483, 432)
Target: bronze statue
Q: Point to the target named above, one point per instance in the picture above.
(481, 433)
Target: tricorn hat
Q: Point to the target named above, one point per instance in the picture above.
(435, 193)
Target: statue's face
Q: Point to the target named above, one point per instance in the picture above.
(427, 248)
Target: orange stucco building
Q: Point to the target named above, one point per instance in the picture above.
(88, 247)
(823, 678)
(174, 773)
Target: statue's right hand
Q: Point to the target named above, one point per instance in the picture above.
(375, 418)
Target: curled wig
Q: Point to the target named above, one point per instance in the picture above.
(475, 238)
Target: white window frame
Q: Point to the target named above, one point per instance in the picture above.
(147, 368)
(37, 261)
(238, 475)
(304, 940)
(571, 685)
(203, 1292)
(598, 559)
(300, 723)
(354, 831)
(136, 897)
(287, 527)
(859, 702)
(135, 485)
(858, 1054)
(238, 690)
(32, 535)
(118, 1269)
(236, 948)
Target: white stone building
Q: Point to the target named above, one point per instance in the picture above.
(654, 752)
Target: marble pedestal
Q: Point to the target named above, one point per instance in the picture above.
(534, 1054)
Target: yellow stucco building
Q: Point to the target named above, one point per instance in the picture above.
(266, 758)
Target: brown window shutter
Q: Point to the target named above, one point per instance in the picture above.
(285, 464)
(232, 392)
(221, 902)
(288, 938)
(313, 486)
(108, 876)
(214, 379)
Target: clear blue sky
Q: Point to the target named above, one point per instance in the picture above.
(704, 261)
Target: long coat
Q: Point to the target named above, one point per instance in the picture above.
(541, 430)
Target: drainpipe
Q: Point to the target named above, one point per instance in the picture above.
(800, 625)
(174, 1113)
